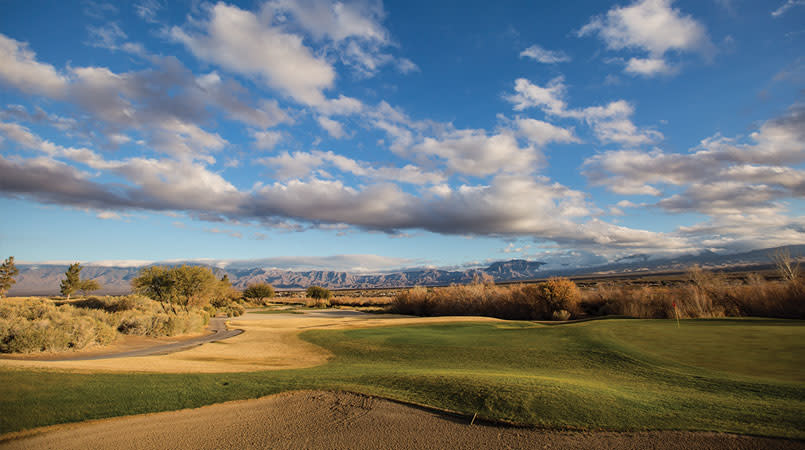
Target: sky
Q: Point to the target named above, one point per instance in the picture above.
(371, 136)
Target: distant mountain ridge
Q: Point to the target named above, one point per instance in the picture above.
(43, 279)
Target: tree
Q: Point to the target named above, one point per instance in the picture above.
(72, 280)
(259, 291)
(318, 292)
(184, 286)
(787, 267)
(7, 273)
(87, 286)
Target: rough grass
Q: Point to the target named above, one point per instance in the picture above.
(32, 325)
(544, 301)
(730, 375)
(705, 295)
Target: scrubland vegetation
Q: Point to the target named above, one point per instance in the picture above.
(168, 301)
(706, 295)
(34, 325)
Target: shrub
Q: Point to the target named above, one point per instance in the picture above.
(42, 325)
(317, 303)
(561, 294)
(259, 292)
(318, 292)
(561, 315)
(522, 302)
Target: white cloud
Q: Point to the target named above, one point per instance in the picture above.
(244, 43)
(266, 140)
(611, 122)
(108, 215)
(544, 56)
(721, 177)
(648, 67)
(303, 164)
(651, 26)
(549, 98)
(788, 4)
(148, 9)
(352, 30)
(21, 70)
(542, 133)
(333, 128)
(473, 152)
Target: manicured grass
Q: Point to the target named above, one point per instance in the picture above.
(740, 376)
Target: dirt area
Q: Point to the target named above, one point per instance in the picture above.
(269, 342)
(312, 419)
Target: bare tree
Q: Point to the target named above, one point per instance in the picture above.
(787, 266)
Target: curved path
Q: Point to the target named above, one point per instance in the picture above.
(217, 326)
(317, 420)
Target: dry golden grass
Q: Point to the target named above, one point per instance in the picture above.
(269, 342)
(704, 295)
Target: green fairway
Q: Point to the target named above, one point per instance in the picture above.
(742, 376)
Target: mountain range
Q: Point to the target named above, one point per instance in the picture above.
(43, 279)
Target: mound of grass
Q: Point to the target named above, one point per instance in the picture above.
(741, 376)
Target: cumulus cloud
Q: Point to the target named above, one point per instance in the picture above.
(610, 123)
(353, 30)
(244, 43)
(22, 71)
(303, 164)
(165, 104)
(266, 140)
(541, 133)
(333, 128)
(650, 26)
(544, 56)
(474, 152)
(721, 176)
(648, 67)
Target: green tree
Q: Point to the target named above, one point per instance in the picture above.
(7, 273)
(319, 292)
(259, 292)
(87, 286)
(72, 280)
(184, 286)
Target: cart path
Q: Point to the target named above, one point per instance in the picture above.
(217, 326)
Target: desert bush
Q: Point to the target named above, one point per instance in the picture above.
(561, 294)
(524, 302)
(113, 304)
(234, 310)
(361, 301)
(259, 292)
(704, 295)
(36, 325)
(317, 302)
(318, 292)
(561, 315)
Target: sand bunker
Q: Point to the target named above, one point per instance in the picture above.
(269, 342)
(311, 419)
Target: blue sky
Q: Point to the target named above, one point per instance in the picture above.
(371, 136)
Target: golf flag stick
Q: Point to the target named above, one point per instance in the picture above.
(676, 313)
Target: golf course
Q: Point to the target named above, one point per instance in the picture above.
(741, 376)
